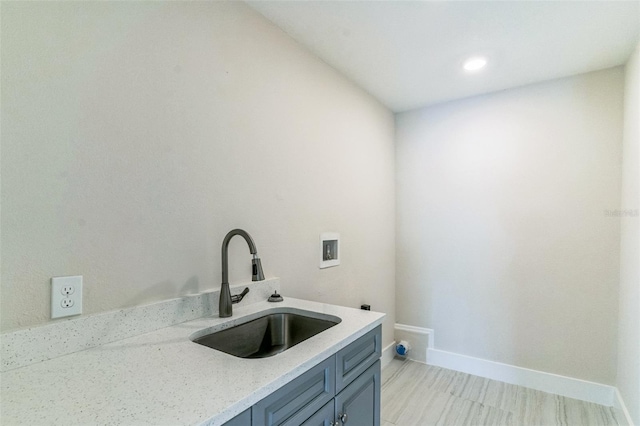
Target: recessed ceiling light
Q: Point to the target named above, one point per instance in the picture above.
(474, 64)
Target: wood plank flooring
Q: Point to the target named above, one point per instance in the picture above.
(415, 394)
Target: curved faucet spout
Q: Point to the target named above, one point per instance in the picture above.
(225, 250)
(226, 301)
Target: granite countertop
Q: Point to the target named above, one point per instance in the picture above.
(162, 378)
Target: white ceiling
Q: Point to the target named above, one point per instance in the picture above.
(408, 54)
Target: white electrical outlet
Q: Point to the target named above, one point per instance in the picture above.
(66, 296)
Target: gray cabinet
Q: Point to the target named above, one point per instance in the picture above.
(344, 389)
(323, 417)
(353, 360)
(242, 419)
(295, 402)
(359, 403)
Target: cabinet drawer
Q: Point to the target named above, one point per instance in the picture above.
(297, 401)
(357, 357)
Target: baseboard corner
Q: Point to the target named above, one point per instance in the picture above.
(618, 403)
(420, 338)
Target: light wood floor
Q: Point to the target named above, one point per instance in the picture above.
(415, 394)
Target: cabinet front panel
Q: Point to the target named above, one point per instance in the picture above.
(242, 419)
(298, 400)
(360, 401)
(324, 417)
(357, 357)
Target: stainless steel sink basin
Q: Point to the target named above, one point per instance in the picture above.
(267, 335)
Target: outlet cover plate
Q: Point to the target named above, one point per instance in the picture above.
(66, 296)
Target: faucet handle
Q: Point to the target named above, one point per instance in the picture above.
(238, 297)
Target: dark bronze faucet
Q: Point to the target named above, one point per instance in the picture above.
(226, 300)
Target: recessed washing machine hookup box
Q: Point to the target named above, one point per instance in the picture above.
(329, 249)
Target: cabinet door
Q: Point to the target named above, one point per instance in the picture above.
(357, 357)
(359, 403)
(242, 419)
(324, 416)
(296, 401)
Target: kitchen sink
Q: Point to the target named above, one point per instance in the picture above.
(267, 335)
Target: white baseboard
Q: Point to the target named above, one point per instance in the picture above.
(387, 354)
(421, 339)
(418, 330)
(539, 380)
(618, 403)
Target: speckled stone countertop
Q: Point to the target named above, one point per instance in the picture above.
(163, 378)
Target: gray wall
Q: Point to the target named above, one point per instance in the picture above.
(629, 319)
(503, 245)
(135, 135)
